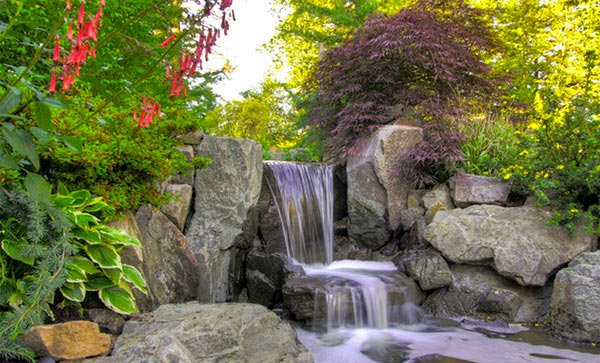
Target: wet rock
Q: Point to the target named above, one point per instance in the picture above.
(480, 293)
(333, 339)
(375, 197)
(575, 306)
(177, 210)
(204, 333)
(468, 189)
(385, 348)
(430, 271)
(438, 358)
(225, 218)
(269, 225)
(516, 242)
(108, 321)
(70, 340)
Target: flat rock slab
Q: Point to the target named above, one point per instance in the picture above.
(70, 340)
(516, 242)
(195, 332)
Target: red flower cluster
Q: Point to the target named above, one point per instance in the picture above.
(189, 62)
(81, 47)
(150, 108)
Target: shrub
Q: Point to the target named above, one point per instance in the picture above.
(418, 64)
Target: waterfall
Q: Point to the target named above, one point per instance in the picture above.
(303, 194)
(357, 293)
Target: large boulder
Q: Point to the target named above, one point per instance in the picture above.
(468, 189)
(431, 271)
(517, 242)
(169, 264)
(225, 218)
(376, 197)
(269, 226)
(177, 210)
(264, 277)
(575, 306)
(204, 333)
(70, 340)
(479, 292)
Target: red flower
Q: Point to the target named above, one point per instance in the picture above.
(167, 41)
(81, 14)
(52, 88)
(56, 56)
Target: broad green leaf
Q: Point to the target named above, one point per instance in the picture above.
(53, 102)
(73, 291)
(114, 274)
(22, 143)
(74, 274)
(43, 136)
(117, 236)
(83, 264)
(38, 187)
(74, 143)
(90, 236)
(8, 163)
(134, 276)
(84, 219)
(119, 300)
(98, 282)
(14, 249)
(62, 200)
(80, 197)
(43, 116)
(10, 99)
(104, 255)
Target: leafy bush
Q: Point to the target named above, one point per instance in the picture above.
(417, 64)
(560, 159)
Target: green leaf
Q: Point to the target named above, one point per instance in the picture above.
(73, 292)
(134, 276)
(74, 143)
(8, 163)
(90, 236)
(83, 264)
(74, 274)
(104, 255)
(114, 274)
(11, 98)
(22, 144)
(53, 102)
(43, 136)
(43, 116)
(14, 249)
(119, 300)
(3, 26)
(80, 198)
(118, 236)
(84, 219)
(98, 282)
(38, 187)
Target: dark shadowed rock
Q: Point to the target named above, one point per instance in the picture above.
(108, 321)
(264, 277)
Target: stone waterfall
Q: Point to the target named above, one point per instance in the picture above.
(356, 292)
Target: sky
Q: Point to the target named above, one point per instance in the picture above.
(254, 26)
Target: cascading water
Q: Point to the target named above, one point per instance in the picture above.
(367, 309)
(356, 296)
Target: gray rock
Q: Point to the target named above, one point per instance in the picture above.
(410, 216)
(264, 277)
(177, 210)
(479, 292)
(430, 271)
(468, 189)
(170, 266)
(436, 200)
(575, 306)
(204, 333)
(385, 348)
(225, 218)
(192, 138)
(185, 178)
(134, 256)
(269, 225)
(375, 196)
(515, 241)
(108, 321)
